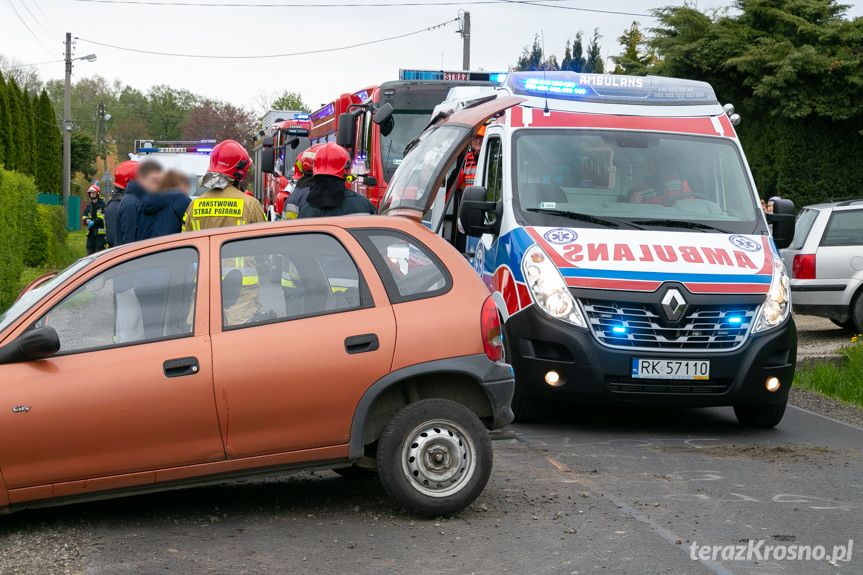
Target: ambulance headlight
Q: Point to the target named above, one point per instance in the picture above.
(548, 288)
(777, 305)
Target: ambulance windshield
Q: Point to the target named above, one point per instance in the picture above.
(646, 179)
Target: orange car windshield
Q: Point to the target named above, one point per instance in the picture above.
(32, 297)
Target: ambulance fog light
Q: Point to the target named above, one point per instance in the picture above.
(548, 289)
(772, 383)
(553, 379)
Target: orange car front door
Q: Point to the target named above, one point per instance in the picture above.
(289, 376)
(131, 389)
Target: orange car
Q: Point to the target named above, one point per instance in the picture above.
(355, 343)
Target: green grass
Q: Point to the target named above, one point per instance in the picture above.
(74, 249)
(843, 383)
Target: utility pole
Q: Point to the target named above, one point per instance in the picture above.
(100, 113)
(465, 36)
(67, 123)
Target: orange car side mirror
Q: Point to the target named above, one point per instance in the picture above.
(37, 343)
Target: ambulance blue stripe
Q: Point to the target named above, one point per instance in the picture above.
(658, 276)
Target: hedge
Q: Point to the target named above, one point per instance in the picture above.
(18, 206)
(47, 237)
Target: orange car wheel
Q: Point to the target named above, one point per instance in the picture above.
(434, 457)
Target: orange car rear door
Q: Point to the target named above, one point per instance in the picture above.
(131, 388)
(306, 330)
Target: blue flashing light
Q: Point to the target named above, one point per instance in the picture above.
(301, 117)
(611, 89)
(553, 86)
(618, 329)
(734, 319)
(498, 78)
(204, 150)
(327, 110)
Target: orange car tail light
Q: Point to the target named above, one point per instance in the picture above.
(491, 335)
(803, 267)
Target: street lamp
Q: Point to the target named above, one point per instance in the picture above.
(67, 119)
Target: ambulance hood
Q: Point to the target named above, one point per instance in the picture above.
(641, 260)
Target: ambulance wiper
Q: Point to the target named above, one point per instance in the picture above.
(680, 224)
(607, 222)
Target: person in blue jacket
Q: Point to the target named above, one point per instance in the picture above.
(149, 176)
(161, 212)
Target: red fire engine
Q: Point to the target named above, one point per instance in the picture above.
(376, 124)
(275, 153)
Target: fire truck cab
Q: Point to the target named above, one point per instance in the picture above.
(284, 137)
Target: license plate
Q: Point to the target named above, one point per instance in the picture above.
(670, 368)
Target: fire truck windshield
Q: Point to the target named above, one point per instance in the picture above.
(407, 126)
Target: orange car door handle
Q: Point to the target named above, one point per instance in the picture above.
(362, 343)
(181, 366)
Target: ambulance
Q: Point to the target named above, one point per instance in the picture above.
(617, 224)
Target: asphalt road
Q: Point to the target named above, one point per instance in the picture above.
(591, 491)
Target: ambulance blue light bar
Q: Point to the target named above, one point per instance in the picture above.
(465, 76)
(612, 89)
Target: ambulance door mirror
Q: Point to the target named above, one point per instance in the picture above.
(782, 219)
(268, 161)
(477, 215)
(347, 132)
(383, 114)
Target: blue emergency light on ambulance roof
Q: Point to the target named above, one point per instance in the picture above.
(612, 89)
(500, 78)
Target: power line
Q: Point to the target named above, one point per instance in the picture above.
(34, 64)
(18, 14)
(594, 10)
(38, 21)
(47, 19)
(265, 56)
(356, 4)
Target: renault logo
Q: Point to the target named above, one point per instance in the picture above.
(673, 304)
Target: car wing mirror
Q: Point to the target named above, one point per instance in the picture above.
(477, 215)
(37, 343)
(782, 219)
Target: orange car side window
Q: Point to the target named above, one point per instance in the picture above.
(146, 299)
(277, 278)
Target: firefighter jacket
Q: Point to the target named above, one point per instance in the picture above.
(219, 208)
(329, 197)
(112, 217)
(95, 212)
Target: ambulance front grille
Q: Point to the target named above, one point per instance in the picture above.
(642, 326)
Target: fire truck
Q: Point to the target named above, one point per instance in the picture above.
(377, 123)
(192, 157)
(285, 135)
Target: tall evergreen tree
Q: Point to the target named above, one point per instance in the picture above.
(4, 121)
(13, 143)
(28, 136)
(573, 56)
(49, 155)
(593, 59)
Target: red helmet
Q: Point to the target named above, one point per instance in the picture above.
(332, 160)
(125, 173)
(231, 159)
(306, 161)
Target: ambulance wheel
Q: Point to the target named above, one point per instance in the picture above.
(764, 416)
(434, 457)
(524, 409)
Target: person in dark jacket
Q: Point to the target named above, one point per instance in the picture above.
(94, 219)
(328, 195)
(162, 212)
(149, 176)
(304, 175)
(125, 173)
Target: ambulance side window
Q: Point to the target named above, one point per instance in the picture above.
(493, 172)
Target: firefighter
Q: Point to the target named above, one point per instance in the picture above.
(94, 219)
(125, 173)
(328, 195)
(226, 205)
(303, 176)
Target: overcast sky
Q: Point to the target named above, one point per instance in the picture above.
(500, 31)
